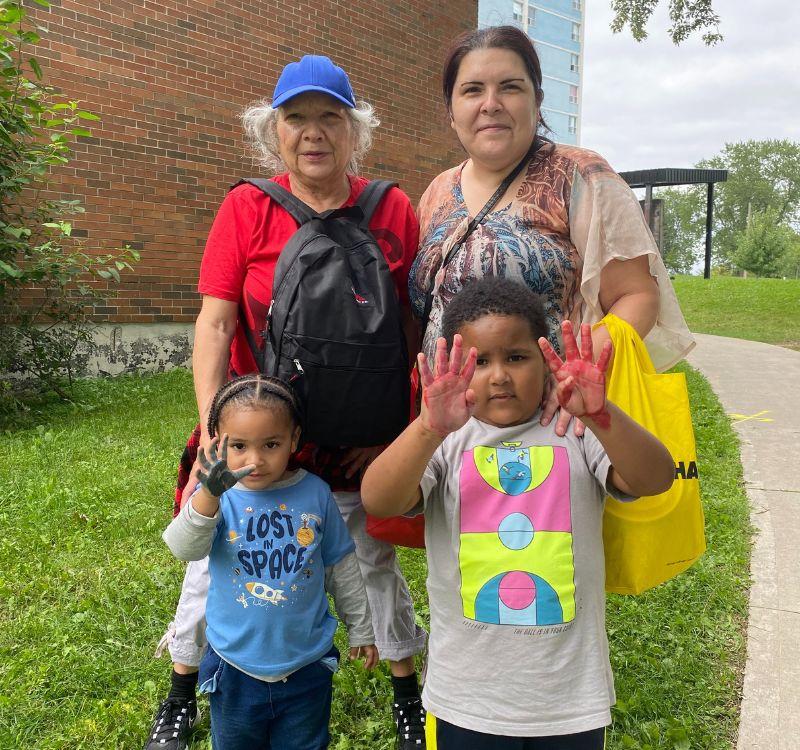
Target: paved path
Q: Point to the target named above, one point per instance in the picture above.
(762, 382)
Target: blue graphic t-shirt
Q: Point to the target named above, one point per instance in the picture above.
(267, 611)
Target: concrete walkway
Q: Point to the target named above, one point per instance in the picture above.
(761, 383)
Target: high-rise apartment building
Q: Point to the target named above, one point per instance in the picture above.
(556, 27)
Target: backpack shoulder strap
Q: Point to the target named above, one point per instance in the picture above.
(258, 354)
(298, 210)
(370, 198)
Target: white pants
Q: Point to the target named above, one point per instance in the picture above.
(397, 635)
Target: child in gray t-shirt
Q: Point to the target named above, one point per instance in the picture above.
(513, 517)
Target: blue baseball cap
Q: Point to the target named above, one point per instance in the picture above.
(313, 73)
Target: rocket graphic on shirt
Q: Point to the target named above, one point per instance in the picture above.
(274, 552)
(515, 553)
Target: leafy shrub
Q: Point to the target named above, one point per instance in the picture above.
(764, 244)
(48, 283)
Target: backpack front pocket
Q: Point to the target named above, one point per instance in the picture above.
(353, 395)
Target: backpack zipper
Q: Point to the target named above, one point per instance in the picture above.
(344, 368)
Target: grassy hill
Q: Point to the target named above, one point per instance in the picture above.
(765, 310)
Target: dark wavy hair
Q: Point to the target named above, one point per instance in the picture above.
(493, 295)
(493, 37)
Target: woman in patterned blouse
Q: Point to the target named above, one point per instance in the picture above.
(568, 225)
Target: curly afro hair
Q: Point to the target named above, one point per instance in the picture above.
(493, 295)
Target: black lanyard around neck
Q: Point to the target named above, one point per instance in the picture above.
(474, 223)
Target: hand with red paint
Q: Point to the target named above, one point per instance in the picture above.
(447, 400)
(581, 388)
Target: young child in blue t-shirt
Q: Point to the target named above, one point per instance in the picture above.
(276, 544)
(518, 656)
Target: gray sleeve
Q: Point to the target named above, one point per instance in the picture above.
(344, 583)
(431, 477)
(599, 464)
(190, 535)
(428, 483)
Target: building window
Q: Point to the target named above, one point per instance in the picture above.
(576, 32)
(531, 16)
(573, 94)
(517, 12)
(573, 124)
(576, 4)
(574, 63)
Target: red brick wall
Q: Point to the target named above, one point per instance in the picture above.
(169, 80)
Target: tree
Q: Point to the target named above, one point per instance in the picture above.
(762, 175)
(687, 16)
(763, 245)
(48, 284)
(683, 218)
(790, 263)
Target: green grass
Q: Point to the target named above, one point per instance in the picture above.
(678, 651)
(765, 310)
(87, 587)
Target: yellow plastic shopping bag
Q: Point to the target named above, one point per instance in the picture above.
(654, 538)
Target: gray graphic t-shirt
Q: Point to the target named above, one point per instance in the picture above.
(513, 530)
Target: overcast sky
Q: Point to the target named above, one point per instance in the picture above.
(651, 104)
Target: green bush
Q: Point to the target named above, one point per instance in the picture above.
(764, 244)
(47, 281)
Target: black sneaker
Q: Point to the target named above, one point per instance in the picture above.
(409, 719)
(172, 725)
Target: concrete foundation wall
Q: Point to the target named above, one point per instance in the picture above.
(127, 348)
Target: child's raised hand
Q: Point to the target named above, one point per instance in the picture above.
(368, 653)
(447, 400)
(581, 388)
(215, 475)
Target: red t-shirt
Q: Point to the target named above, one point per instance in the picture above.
(246, 238)
(248, 234)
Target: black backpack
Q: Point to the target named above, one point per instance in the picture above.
(334, 329)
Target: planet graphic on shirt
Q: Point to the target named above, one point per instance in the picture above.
(515, 477)
(305, 534)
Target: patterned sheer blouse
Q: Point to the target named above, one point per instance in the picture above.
(571, 215)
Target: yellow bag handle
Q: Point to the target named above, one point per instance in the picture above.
(628, 344)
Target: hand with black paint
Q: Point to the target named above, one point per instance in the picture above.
(215, 476)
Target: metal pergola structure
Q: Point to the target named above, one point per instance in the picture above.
(650, 178)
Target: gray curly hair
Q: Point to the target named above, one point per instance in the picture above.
(260, 121)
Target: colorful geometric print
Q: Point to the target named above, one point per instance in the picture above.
(515, 553)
